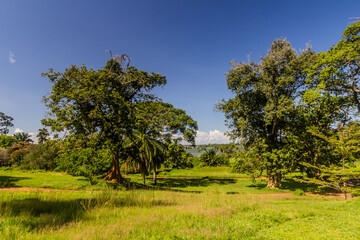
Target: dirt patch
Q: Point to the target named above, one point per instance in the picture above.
(290, 195)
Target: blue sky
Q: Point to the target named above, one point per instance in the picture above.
(190, 42)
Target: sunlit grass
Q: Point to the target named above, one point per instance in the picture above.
(12, 177)
(176, 208)
(174, 215)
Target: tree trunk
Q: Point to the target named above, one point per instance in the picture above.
(274, 181)
(154, 175)
(144, 176)
(114, 173)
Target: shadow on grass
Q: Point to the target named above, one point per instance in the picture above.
(39, 213)
(289, 184)
(173, 184)
(8, 181)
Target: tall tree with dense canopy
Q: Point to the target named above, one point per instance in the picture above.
(5, 123)
(338, 69)
(99, 104)
(263, 111)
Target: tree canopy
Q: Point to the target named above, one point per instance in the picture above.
(5, 123)
(263, 111)
(110, 104)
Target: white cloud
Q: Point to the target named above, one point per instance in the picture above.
(18, 130)
(12, 58)
(215, 136)
(33, 137)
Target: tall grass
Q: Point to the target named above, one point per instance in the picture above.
(148, 214)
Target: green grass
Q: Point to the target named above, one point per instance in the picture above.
(202, 208)
(12, 177)
(174, 215)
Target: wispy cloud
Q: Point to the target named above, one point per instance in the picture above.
(12, 58)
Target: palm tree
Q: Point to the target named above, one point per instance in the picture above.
(42, 135)
(149, 152)
(23, 137)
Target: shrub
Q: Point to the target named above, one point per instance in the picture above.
(41, 156)
(299, 192)
(245, 161)
(6, 141)
(84, 161)
(17, 152)
(212, 159)
(177, 157)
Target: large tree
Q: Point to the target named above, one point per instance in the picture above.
(338, 69)
(99, 104)
(263, 111)
(5, 123)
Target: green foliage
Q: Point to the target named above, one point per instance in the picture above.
(146, 152)
(299, 192)
(212, 159)
(338, 69)
(334, 177)
(249, 162)
(6, 141)
(23, 137)
(43, 135)
(177, 157)
(17, 152)
(344, 143)
(87, 102)
(156, 124)
(84, 162)
(263, 112)
(162, 121)
(5, 123)
(41, 156)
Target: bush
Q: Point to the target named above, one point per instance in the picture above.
(212, 159)
(177, 157)
(84, 161)
(17, 153)
(299, 192)
(245, 161)
(6, 141)
(41, 156)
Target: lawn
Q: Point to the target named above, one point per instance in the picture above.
(177, 208)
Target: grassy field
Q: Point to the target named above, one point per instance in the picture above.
(177, 209)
